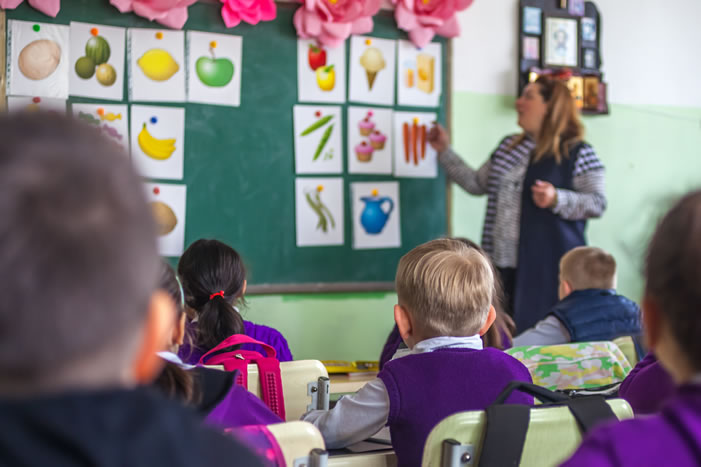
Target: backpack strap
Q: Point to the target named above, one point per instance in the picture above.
(505, 435)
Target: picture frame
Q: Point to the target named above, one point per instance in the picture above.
(531, 48)
(591, 92)
(590, 59)
(576, 85)
(576, 7)
(561, 42)
(588, 29)
(532, 20)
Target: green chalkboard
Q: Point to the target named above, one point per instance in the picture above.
(239, 162)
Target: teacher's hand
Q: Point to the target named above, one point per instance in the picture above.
(438, 138)
(544, 194)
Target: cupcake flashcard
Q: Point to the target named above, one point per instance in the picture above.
(111, 119)
(369, 140)
(372, 73)
(156, 65)
(36, 103)
(37, 59)
(158, 141)
(318, 142)
(214, 68)
(413, 156)
(319, 211)
(167, 202)
(97, 61)
(321, 72)
(375, 212)
(419, 74)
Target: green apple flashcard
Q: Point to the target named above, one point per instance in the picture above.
(97, 61)
(214, 68)
(321, 72)
(156, 65)
(36, 103)
(111, 119)
(319, 211)
(168, 204)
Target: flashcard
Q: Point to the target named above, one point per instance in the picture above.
(369, 140)
(112, 119)
(168, 203)
(37, 59)
(157, 141)
(319, 211)
(419, 74)
(413, 156)
(33, 104)
(214, 67)
(375, 215)
(156, 65)
(97, 61)
(372, 74)
(318, 146)
(321, 72)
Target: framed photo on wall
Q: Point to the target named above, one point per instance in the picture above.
(589, 59)
(531, 20)
(591, 92)
(531, 48)
(588, 29)
(561, 42)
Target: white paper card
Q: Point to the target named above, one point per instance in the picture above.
(38, 59)
(97, 61)
(318, 142)
(156, 65)
(158, 140)
(214, 68)
(419, 74)
(321, 72)
(413, 156)
(168, 203)
(112, 119)
(376, 215)
(369, 140)
(372, 73)
(319, 211)
(32, 104)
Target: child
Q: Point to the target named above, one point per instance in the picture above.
(648, 387)
(672, 327)
(445, 290)
(81, 323)
(214, 278)
(589, 308)
(213, 393)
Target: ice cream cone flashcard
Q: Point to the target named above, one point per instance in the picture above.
(372, 70)
(373, 61)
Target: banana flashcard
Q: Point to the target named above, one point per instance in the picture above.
(157, 139)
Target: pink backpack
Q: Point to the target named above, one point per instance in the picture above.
(268, 368)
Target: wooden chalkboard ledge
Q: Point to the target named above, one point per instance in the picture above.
(260, 289)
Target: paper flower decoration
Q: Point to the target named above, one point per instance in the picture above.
(169, 13)
(330, 22)
(423, 19)
(249, 11)
(48, 7)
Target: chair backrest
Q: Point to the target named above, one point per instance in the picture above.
(296, 440)
(368, 459)
(553, 435)
(627, 346)
(575, 365)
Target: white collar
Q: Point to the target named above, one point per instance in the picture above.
(173, 358)
(442, 342)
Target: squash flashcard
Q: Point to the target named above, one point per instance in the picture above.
(372, 74)
(375, 215)
(214, 68)
(419, 75)
(36, 103)
(156, 65)
(112, 119)
(321, 72)
(319, 211)
(413, 155)
(38, 59)
(168, 203)
(158, 141)
(369, 140)
(318, 147)
(97, 61)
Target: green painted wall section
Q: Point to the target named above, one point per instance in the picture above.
(652, 155)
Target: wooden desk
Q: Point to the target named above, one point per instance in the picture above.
(345, 383)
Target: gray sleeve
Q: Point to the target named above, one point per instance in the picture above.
(549, 331)
(471, 180)
(587, 200)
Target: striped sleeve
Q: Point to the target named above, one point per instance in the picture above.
(471, 180)
(588, 199)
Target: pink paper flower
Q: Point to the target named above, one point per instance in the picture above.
(169, 13)
(250, 11)
(425, 18)
(48, 7)
(330, 22)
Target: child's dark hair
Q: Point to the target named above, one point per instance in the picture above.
(672, 272)
(213, 276)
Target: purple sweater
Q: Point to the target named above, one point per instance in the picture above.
(239, 408)
(672, 437)
(648, 387)
(425, 388)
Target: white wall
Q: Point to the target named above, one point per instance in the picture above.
(651, 50)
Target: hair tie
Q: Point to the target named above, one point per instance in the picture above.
(220, 293)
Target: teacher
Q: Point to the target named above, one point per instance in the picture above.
(541, 187)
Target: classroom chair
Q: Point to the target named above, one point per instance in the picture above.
(629, 349)
(369, 459)
(291, 444)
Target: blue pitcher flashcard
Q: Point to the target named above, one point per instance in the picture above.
(375, 215)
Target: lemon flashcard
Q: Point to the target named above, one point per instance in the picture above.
(317, 137)
(372, 74)
(167, 202)
(96, 61)
(156, 65)
(111, 119)
(37, 59)
(419, 74)
(214, 68)
(319, 211)
(158, 141)
(36, 103)
(321, 72)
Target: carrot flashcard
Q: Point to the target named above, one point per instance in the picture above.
(167, 202)
(372, 70)
(111, 119)
(375, 215)
(413, 156)
(156, 65)
(369, 140)
(419, 74)
(97, 61)
(158, 141)
(317, 136)
(214, 66)
(321, 72)
(319, 211)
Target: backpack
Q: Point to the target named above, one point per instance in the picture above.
(268, 368)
